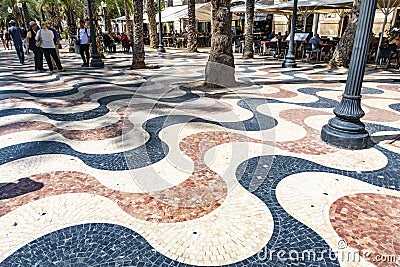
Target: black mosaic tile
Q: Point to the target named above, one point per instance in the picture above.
(371, 91)
(395, 107)
(21, 187)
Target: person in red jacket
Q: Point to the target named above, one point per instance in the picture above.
(126, 43)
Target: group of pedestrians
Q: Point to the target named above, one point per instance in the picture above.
(42, 42)
(45, 42)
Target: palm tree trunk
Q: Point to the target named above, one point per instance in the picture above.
(71, 22)
(192, 32)
(151, 14)
(26, 13)
(342, 54)
(42, 16)
(16, 12)
(138, 44)
(248, 41)
(108, 21)
(129, 22)
(95, 19)
(54, 14)
(220, 69)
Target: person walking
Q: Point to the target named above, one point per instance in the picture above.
(31, 43)
(16, 35)
(7, 38)
(23, 36)
(2, 38)
(83, 36)
(46, 39)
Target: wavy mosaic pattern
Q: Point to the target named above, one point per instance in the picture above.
(225, 160)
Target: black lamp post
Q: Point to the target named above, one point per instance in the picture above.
(103, 6)
(96, 61)
(42, 16)
(10, 11)
(346, 130)
(290, 61)
(161, 48)
(19, 5)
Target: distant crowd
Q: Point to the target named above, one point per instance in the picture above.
(44, 41)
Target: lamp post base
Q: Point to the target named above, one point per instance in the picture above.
(161, 49)
(346, 134)
(96, 63)
(289, 63)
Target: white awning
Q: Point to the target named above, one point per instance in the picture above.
(242, 8)
(203, 13)
(175, 13)
(308, 5)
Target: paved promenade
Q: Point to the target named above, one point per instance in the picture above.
(119, 167)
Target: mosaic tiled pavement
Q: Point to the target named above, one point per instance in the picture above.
(117, 167)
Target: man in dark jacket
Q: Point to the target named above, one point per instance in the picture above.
(16, 35)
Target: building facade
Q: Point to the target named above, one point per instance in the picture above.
(331, 24)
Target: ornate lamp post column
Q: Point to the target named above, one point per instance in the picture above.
(96, 61)
(346, 130)
(161, 48)
(290, 61)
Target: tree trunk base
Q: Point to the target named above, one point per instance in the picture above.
(248, 55)
(220, 75)
(203, 86)
(332, 65)
(140, 65)
(216, 86)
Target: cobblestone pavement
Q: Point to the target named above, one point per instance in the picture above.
(119, 167)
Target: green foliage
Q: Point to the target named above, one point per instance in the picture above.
(4, 4)
(64, 35)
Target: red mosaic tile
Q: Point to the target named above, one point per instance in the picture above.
(369, 223)
(311, 143)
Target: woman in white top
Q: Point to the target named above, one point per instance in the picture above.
(48, 47)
